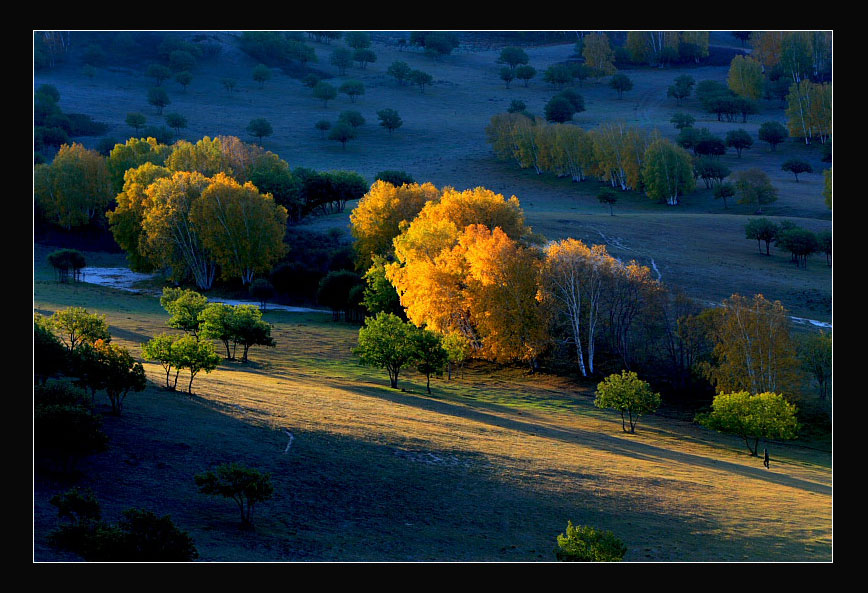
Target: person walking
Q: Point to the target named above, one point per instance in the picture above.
(766, 458)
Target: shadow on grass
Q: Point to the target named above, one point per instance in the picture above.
(626, 446)
(344, 498)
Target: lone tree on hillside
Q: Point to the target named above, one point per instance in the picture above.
(195, 356)
(724, 191)
(261, 74)
(76, 326)
(390, 119)
(135, 121)
(755, 187)
(400, 71)
(773, 133)
(525, 73)
(246, 486)
(341, 58)
(796, 166)
(158, 72)
(176, 121)
(507, 75)
(352, 118)
(120, 373)
(352, 89)
(324, 92)
(387, 342)
(512, 57)
(621, 83)
(259, 128)
(184, 79)
(752, 417)
(342, 132)
(159, 98)
(421, 79)
(682, 120)
(608, 196)
(739, 140)
(627, 393)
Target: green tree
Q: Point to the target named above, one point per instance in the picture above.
(357, 39)
(176, 121)
(246, 486)
(229, 84)
(248, 329)
(724, 191)
(430, 356)
(609, 197)
(583, 543)
(421, 79)
(627, 394)
(752, 417)
(682, 120)
(799, 242)
(773, 133)
(120, 373)
(159, 349)
(66, 261)
(158, 72)
(262, 290)
(159, 98)
(512, 57)
(352, 118)
(755, 188)
(525, 73)
(259, 128)
(183, 307)
(342, 133)
(739, 140)
(457, 351)
(389, 119)
(507, 75)
(324, 92)
(184, 79)
(217, 323)
(341, 58)
(682, 88)
(559, 109)
(76, 326)
(49, 355)
(352, 89)
(262, 74)
(621, 83)
(796, 166)
(195, 356)
(387, 342)
(364, 57)
(135, 121)
(400, 71)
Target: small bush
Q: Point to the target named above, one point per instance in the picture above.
(583, 543)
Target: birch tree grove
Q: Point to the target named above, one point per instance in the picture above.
(242, 228)
(753, 348)
(572, 281)
(809, 111)
(172, 240)
(667, 172)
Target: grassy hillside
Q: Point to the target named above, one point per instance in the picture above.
(489, 467)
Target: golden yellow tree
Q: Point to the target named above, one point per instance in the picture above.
(500, 133)
(205, 157)
(125, 221)
(571, 282)
(131, 154)
(809, 111)
(170, 238)
(241, 227)
(377, 218)
(753, 348)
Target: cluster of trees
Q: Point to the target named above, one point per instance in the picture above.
(217, 205)
(626, 157)
(789, 237)
(404, 74)
(77, 344)
(516, 65)
(660, 48)
(465, 264)
(66, 262)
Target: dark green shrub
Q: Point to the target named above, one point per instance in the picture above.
(246, 486)
(396, 178)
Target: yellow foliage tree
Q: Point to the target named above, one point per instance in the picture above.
(753, 348)
(125, 221)
(767, 47)
(377, 218)
(241, 227)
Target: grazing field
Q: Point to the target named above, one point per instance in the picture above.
(489, 467)
(698, 245)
